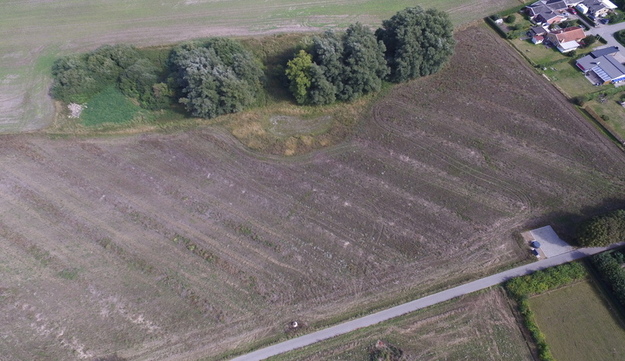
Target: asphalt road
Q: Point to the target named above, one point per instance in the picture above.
(607, 32)
(411, 306)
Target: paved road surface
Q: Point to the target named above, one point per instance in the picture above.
(418, 304)
(607, 32)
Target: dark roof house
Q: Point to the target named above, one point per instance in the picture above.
(538, 30)
(547, 11)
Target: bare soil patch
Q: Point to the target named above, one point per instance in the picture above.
(186, 245)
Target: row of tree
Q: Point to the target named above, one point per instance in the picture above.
(413, 43)
(602, 230)
(220, 76)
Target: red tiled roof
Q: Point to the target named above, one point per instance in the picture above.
(573, 33)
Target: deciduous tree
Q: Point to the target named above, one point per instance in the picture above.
(418, 42)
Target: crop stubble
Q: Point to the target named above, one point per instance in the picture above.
(186, 245)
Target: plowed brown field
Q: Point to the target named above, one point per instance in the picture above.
(177, 246)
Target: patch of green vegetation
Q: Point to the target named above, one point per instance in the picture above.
(569, 79)
(613, 110)
(69, 273)
(109, 106)
(578, 315)
(538, 54)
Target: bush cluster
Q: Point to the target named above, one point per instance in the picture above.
(77, 78)
(520, 288)
(602, 230)
(413, 43)
(609, 267)
(215, 77)
(338, 67)
(210, 78)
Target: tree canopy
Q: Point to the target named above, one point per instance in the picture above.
(339, 67)
(364, 64)
(77, 78)
(413, 43)
(215, 77)
(418, 42)
(602, 230)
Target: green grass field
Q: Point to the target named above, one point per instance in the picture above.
(579, 324)
(36, 32)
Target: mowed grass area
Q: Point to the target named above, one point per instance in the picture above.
(480, 326)
(579, 324)
(612, 111)
(109, 106)
(36, 32)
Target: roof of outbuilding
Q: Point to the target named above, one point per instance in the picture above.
(608, 68)
(586, 63)
(605, 51)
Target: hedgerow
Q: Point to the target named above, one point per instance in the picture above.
(609, 267)
(520, 288)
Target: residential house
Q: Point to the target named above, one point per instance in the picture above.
(547, 11)
(566, 39)
(599, 8)
(538, 34)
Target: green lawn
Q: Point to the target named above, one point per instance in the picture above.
(613, 110)
(570, 79)
(579, 324)
(109, 106)
(538, 53)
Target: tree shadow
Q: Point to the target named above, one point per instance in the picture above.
(565, 223)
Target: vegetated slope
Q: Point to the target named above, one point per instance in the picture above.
(186, 245)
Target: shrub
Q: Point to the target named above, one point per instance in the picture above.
(602, 230)
(608, 265)
(510, 19)
(589, 40)
(580, 100)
